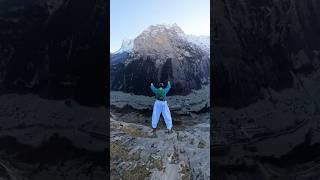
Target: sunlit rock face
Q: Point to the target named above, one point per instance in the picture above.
(162, 53)
(55, 48)
(262, 44)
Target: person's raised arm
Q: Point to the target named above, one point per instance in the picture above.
(153, 89)
(168, 87)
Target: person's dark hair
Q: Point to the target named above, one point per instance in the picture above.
(161, 85)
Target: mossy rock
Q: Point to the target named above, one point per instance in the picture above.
(137, 173)
(175, 156)
(135, 156)
(117, 149)
(156, 163)
(201, 144)
(186, 172)
(134, 132)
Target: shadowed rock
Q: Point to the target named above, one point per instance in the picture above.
(54, 48)
(262, 44)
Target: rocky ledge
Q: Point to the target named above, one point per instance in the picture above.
(138, 153)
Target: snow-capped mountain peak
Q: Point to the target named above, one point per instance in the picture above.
(162, 39)
(126, 46)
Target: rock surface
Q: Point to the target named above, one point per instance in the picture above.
(271, 137)
(266, 78)
(262, 44)
(51, 139)
(55, 48)
(137, 153)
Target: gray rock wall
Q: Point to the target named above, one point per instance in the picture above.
(262, 44)
(54, 48)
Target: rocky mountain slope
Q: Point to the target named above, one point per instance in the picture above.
(266, 78)
(161, 53)
(262, 44)
(55, 48)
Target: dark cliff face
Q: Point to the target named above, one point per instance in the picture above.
(135, 77)
(54, 48)
(118, 58)
(262, 44)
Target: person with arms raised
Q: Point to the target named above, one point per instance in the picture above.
(161, 106)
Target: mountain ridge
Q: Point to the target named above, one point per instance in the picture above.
(161, 53)
(127, 45)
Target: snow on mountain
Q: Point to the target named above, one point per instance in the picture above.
(202, 41)
(126, 46)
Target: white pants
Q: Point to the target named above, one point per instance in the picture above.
(158, 108)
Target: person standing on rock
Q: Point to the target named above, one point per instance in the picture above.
(161, 106)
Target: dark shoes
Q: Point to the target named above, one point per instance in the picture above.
(154, 130)
(154, 134)
(169, 131)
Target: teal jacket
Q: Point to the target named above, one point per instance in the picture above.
(166, 90)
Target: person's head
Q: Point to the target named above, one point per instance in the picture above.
(161, 85)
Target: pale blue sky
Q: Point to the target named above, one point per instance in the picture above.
(130, 17)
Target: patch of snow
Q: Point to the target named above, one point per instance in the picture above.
(127, 46)
(202, 41)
